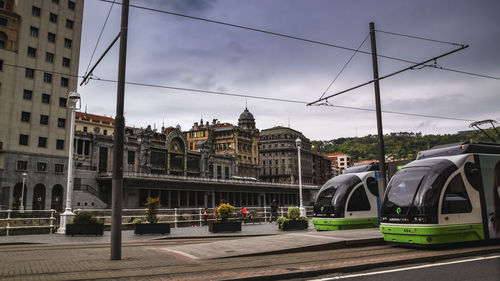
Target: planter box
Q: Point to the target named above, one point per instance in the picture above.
(295, 225)
(85, 229)
(224, 226)
(151, 228)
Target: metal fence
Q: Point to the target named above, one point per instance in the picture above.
(27, 219)
(178, 217)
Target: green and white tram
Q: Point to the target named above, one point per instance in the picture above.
(348, 201)
(447, 195)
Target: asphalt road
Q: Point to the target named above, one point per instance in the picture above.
(483, 268)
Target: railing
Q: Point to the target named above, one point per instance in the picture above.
(188, 216)
(92, 190)
(207, 180)
(36, 219)
(27, 219)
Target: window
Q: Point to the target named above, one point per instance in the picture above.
(64, 82)
(27, 94)
(53, 17)
(63, 102)
(23, 139)
(33, 31)
(60, 144)
(61, 122)
(55, 1)
(31, 52)
(25, 116)
(22, 165)
(71, 5)
(41, 167)
(65, 62)
(105, 132)
(131, 157)
(44, 119)
(358, 200)
(35, 11)
(1, 65)
(85, 129)
(49, 57)
(3, 40)
(46, 98)
(51, 37)
(29, 73)
(3, 21)
(59, 168)
(69, 24)
(67, 43)
(47, 77)
(455, 199)
(42, 142)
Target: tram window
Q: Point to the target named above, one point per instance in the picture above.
(473, 175)
(372, 185)
(359, 200)
(455, 199)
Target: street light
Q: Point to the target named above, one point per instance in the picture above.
(301, 206)
(68, 215)
(21, 208)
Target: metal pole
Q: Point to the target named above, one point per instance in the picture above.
(117, 185)
(301, 205)
(381, 150)
(21, 208)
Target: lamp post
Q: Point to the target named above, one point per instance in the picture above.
(68, 215)
(298, 142)
(21, 208)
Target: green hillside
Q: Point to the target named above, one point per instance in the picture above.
(398, 145)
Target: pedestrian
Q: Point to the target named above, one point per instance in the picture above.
(274, 210)
(205, 215)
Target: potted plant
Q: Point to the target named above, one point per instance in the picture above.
(85, 223)
(224, 212)
(293, 220)
(153, 204)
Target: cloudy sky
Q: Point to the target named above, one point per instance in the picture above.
(173, 51)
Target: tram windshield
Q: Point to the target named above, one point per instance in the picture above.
(332, 195)
(414, 190)
(404, 186)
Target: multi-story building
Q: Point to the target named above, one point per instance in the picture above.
(239, 142)
(39, 57)
(340, 161)
(322, 171)
(86, 122)
(278, 154)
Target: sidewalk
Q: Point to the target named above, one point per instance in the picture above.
(250, 229)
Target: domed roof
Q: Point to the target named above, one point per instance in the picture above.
(246, 115)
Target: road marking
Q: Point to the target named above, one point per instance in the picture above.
(404, 269)
(181, 253)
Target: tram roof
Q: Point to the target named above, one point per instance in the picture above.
(461, 148)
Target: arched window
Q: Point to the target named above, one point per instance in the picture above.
(56, 202)
(39, 197)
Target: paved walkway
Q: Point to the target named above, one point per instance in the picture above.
(128, 235)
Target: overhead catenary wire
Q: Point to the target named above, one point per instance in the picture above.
(199, 91)
(296, 38)
(418, 37)
(345, 65)
(99, 38)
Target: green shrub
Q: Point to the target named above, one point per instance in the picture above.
(153, 205)
(225, 211)
(293, 213)
(86, 218)
(137, 221)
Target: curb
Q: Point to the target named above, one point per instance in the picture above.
(363, 267)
